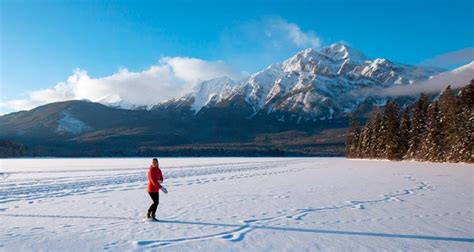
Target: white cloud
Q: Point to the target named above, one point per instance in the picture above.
(293, 33)
(457, 78)
(449, 59)
(172, 77)
(192, 69)
(255, 44)
(249, 46)
(269, 32)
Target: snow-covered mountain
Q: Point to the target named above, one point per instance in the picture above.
(312, 84)
(211, 92)
(302, 102)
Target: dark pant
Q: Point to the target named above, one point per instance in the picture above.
(156, 200)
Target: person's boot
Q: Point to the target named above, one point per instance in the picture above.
(148, 215)
(154, 218)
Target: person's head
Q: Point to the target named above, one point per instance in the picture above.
(154, 162)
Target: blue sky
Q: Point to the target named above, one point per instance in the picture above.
(44, 43)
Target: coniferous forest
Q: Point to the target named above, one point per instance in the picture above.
(440, 130)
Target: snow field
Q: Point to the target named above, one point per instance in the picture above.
(236, 204)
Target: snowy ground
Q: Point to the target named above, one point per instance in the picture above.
(245, 204)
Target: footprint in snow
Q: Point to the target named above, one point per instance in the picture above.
(358, 206)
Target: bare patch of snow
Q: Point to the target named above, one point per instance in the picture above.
(70, 124)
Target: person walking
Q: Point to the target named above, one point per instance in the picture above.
(155, 179)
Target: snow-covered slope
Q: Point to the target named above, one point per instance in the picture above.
(313, 84)
(236, 204)
(69, 124)
(211, 92)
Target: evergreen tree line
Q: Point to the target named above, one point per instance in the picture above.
(438, 131)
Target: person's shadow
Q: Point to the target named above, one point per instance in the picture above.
(263, 227)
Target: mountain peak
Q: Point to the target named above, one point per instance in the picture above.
(314, 83)
(341, 51)
(332, 56)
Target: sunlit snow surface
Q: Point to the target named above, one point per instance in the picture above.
(237, 204)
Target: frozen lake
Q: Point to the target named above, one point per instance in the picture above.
(237, 204)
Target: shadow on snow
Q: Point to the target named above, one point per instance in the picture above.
(262, 227)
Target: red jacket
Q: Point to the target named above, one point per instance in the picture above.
(154, 174)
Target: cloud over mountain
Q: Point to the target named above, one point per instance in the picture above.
(171, 77)
(457, 78)
(257, 43)
(455, 58)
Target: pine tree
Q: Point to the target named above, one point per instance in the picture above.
(432, 145)
(463, 149)
(367, 144)
(365, 138)
(377, 147)
(437, 132)
(390, 132)
(418, 127)
(405, 127)
(352, 140)
(362, 143)
(450, 122)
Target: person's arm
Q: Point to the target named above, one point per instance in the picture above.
(160, 177)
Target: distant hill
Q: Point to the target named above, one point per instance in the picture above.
(82, 128)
